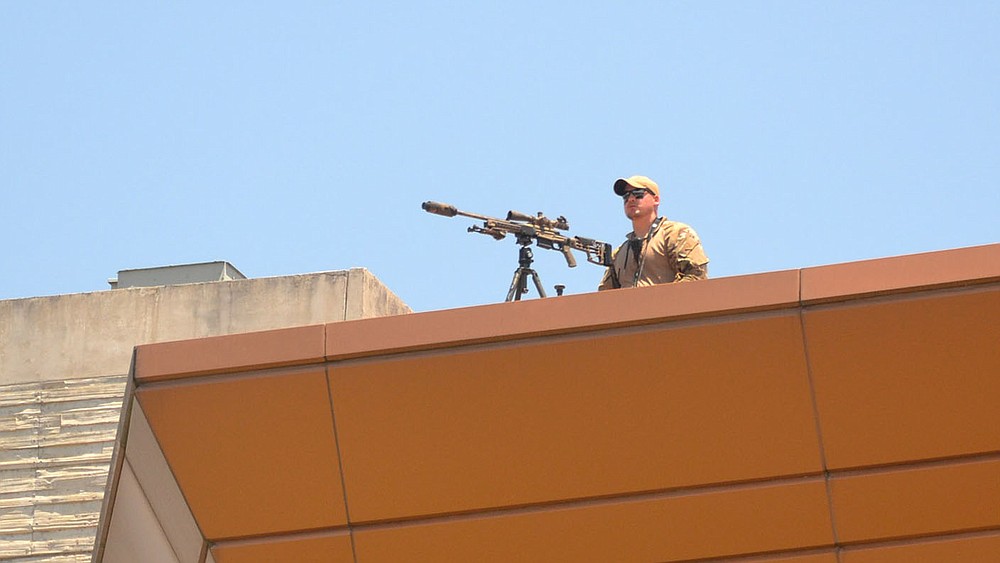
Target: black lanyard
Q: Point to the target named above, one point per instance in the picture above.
(640, 255)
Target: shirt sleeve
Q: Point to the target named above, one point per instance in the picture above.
(692, 273)
(608, 281)
(690, 260)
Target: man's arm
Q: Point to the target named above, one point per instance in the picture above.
(690, 260)
(606, 281)
(692, 272)
(610, 279)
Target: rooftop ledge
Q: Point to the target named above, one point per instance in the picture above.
(788, 289)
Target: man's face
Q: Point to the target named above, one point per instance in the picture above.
(639, 202)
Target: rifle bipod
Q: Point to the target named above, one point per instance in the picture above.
(519, 285)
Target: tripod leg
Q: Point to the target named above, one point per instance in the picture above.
(516, 286)
(538, 283)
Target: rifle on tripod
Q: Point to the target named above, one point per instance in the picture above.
(541, 230)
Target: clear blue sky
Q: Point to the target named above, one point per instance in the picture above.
(298, 137)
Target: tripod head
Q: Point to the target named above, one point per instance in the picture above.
(525, 257)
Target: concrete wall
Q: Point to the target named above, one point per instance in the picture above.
(56, 441)
(63, 367)
(92, 334)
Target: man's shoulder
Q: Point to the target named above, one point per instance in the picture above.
(668, 227)
(670, 222)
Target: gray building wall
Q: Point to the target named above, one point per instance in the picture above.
(63, 368)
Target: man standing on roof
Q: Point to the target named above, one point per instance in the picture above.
(657, 250)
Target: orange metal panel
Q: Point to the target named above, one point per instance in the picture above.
(254, 350)
(978, 549)
(962, 266)
(904, 380)
(254, 454)
(824, 557)
(571, 313)
(605, 415)
(330, 548)
(905, 503)
(717, 524)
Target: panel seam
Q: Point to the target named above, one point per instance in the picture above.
(818, 423)
(340, 461)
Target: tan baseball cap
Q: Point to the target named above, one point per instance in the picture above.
(623, 185)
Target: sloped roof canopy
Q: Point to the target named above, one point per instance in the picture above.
(781, 415)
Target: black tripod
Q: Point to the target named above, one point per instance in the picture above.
(519, 285)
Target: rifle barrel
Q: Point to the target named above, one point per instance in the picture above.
(448, 210)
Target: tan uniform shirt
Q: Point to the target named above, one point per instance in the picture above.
(671, 252)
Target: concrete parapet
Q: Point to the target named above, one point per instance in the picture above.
(92, 334)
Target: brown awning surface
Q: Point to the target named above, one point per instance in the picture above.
(785, 416)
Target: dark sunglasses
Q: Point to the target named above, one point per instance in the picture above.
(637, 193)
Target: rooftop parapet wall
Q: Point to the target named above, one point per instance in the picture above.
(92, 334)
(63, 366)
(770, 416)
(788, 289)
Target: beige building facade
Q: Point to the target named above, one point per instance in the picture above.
(64, 362)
